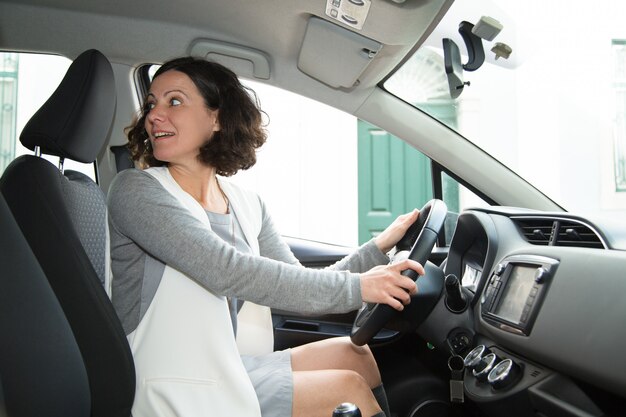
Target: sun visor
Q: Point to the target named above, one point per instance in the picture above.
(334, 55)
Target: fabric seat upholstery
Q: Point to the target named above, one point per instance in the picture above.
(63, 217)
(40, 364)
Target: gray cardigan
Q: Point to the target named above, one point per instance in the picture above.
(150, 228)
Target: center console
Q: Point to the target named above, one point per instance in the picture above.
(510, 302)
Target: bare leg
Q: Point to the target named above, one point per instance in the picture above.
(317, 393)
(332, 371)
(337, 353)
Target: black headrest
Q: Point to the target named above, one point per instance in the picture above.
(74, 123)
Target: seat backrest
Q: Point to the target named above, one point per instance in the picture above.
(63, 217)
(41, 367)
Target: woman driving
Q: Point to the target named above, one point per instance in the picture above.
(187, 246)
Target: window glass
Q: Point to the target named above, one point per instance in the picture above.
(619, 51)
(328, 177)
(306, 172)
(457, 198)
(553, 111)
(26, 82)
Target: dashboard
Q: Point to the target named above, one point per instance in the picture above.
(544, 329)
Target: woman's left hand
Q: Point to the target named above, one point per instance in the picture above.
(394, 232)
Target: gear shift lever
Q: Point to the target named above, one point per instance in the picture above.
(346, 410)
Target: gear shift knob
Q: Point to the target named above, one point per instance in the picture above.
(347, 410)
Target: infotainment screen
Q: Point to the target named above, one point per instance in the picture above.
(512, 297)
(516, 293)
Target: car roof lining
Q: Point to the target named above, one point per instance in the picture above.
(128, 26)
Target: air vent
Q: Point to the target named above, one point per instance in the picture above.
(578, 235)
(558, 232)
(536, 231)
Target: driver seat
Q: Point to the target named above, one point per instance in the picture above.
(41, 369)
(63, 217)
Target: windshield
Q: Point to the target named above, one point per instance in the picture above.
(554, 111)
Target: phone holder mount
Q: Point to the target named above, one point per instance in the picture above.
(487, 28)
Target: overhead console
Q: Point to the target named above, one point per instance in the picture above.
(515, 291)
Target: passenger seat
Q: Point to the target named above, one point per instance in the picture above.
(63, 217)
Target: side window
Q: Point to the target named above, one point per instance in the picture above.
(306, 172)
(458, 198)
(327, 176)
(394, 178)
(330, 177)
(619, 138)
(26, 82)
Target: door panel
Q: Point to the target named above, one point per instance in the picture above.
(293, 329)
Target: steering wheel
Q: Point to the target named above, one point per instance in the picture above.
(420, 238)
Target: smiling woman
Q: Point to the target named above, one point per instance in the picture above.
(175, 112)
(198, 121)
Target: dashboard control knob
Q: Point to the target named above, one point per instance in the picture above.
(504, 374)
(455, 300)
(499, 269)
(486, 364)
(540, 275)
(473, 358)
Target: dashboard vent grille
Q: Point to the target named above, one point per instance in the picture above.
(558, 232)
(537, 231)
(577, 234)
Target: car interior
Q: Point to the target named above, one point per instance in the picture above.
(521, 309)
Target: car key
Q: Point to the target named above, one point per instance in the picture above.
(457, 370)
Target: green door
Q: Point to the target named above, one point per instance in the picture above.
(394, 178)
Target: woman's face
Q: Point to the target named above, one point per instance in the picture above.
(178, 121)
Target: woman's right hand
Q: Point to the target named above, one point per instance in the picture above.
(385, 284)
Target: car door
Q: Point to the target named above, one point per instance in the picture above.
(292, 329)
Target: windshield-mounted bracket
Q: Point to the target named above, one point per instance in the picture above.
(487, 28)
(474, 45)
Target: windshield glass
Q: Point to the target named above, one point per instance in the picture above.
(554, 111)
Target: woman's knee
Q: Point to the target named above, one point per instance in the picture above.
(352, 387)
(351, 379)
(357, 390)
(318, 392)
(363, 362)
(337, 353)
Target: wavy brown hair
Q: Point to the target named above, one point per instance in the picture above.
(241, 133)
